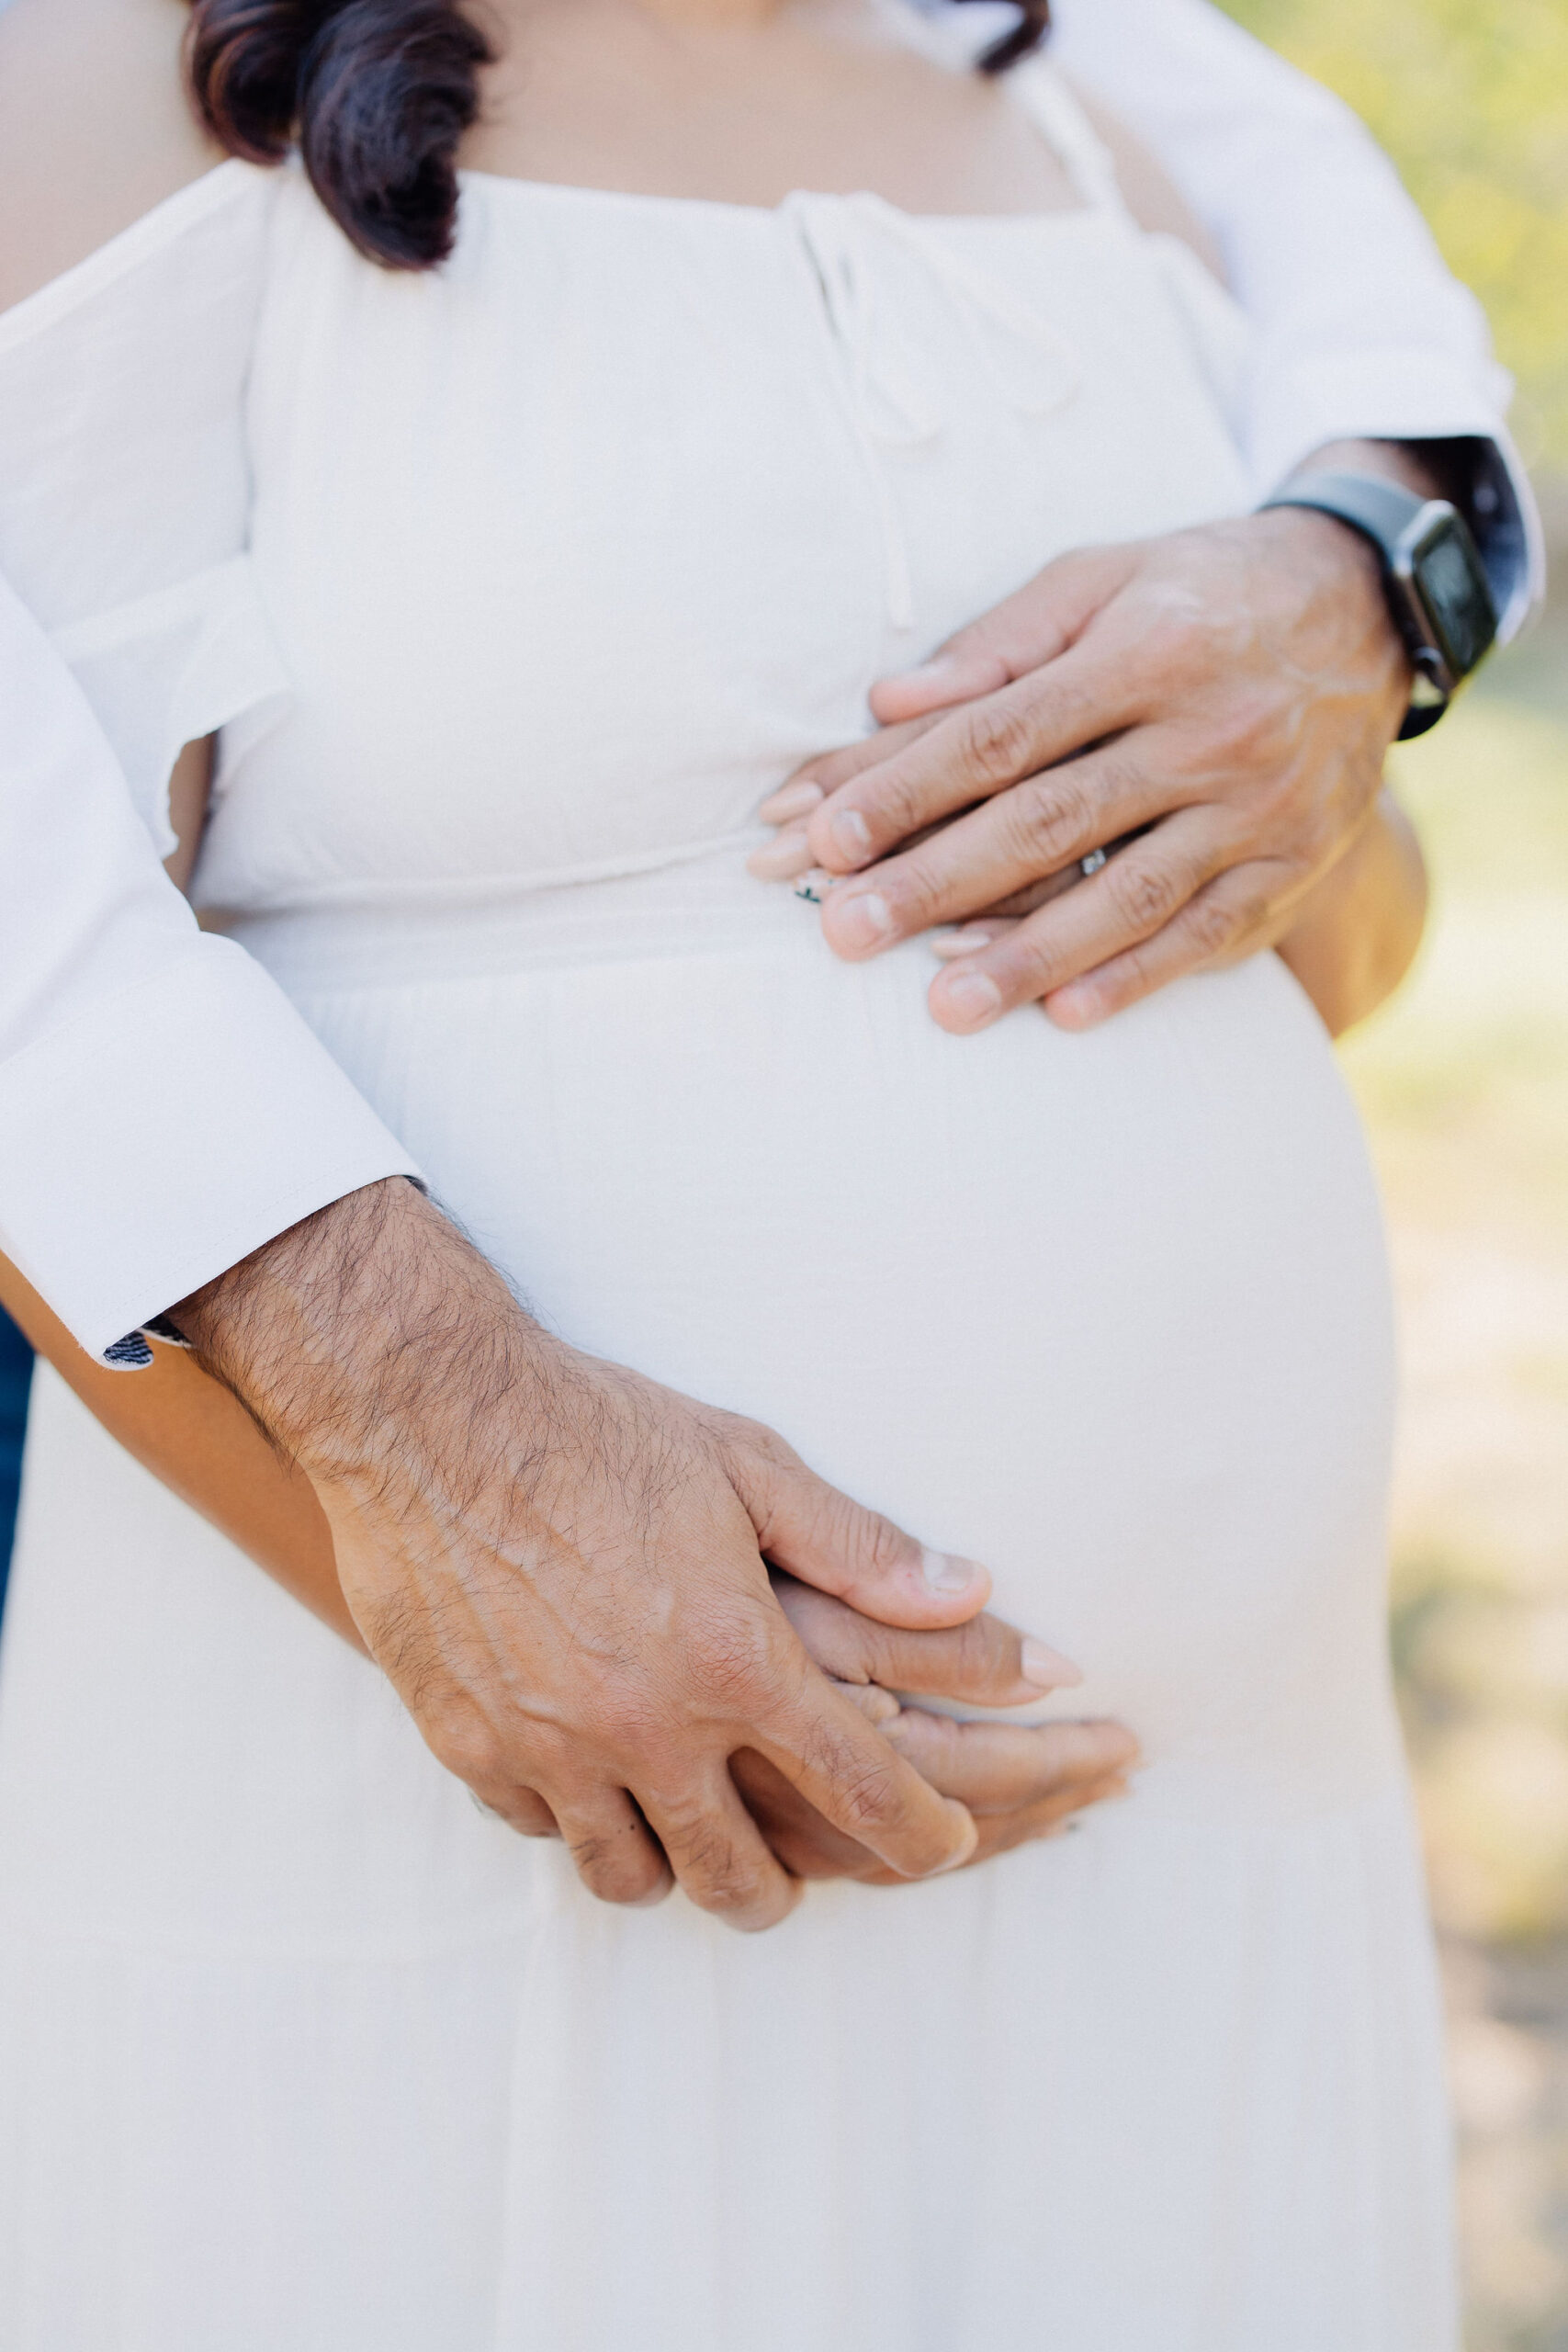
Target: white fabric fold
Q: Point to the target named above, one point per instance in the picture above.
(170, 669)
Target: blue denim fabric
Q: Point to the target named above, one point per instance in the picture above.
(16, 1374)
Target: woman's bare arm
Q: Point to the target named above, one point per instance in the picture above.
(95, 129)
(197, 1437)
(1356, 934)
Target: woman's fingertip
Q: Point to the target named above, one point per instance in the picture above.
(783, 858)
(909, 693)
(797, 799)
(967, 941)
(1074, 1009)
(1046, 1668)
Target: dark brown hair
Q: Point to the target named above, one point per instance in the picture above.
(377, 92)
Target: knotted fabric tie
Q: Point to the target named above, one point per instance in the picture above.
(889, 406)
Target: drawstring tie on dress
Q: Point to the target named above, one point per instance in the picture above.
(889, 408)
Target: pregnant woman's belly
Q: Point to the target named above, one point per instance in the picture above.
(1109, 1312)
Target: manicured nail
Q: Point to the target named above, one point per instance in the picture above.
(793, 801)
(1074, 1008)
(974, 999)
(947, 1573)
(852, 834)
(862, 920)
(926, 674)
(967, 942)
(781, 859)
(1046, 1668)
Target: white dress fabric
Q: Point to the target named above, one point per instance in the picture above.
(535, 574)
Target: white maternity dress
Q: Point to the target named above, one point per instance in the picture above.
(517, 586)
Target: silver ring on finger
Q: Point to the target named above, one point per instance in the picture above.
(1093, 862)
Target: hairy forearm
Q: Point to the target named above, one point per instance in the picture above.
(1355, 936)
(344, 1334)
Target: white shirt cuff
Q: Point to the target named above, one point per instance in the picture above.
(166, 1132)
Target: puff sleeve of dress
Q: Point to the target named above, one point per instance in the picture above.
(163, 1109)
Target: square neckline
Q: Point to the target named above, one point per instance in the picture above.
(1032, 89)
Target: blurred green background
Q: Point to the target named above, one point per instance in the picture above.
(1464, 1080)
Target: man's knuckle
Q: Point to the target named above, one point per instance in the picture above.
(1215, 921)
(715, 1873)
(868, 1793)
(473, 1749)
(917, 888)
(883, 1548)
(1047, 817)
(894, 802)
(616, 1866)
(754, 1442)
(997, 740)
(1145, 894)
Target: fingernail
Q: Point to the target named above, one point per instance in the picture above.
(947, 1573)
(973, 998)
(1046, 1668)
(862, 920)
(781, 859)
(962, 1854)
(1074, 1008)
(967, 942)
(852, 834)
(925, 673)
(793, 801)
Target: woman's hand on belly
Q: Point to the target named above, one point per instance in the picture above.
(1021, 1781)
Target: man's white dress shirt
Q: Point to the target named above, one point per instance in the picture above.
(164, 1110)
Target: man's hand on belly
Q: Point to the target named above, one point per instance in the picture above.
(560, 1565)
(1021, 1782)
(1227, 693)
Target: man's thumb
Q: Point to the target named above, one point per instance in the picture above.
(1027, 630)
(820, 1536)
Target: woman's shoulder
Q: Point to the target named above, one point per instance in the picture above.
(1147, 190)
(96, 131)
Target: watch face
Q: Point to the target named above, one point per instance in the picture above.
(1445, 570)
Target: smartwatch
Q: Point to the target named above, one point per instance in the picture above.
(1432, 576)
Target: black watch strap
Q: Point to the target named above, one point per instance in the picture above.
(1403, 528)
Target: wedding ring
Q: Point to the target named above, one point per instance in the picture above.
(1093, 862)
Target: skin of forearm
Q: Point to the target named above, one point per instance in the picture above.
(1356, 934)
(339, 1333)
(195, 1436)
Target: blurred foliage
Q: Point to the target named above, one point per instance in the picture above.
(1471, 99)
(1464, 1083)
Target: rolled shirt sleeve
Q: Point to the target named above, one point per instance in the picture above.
(163, 1109)
(1363, 331)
